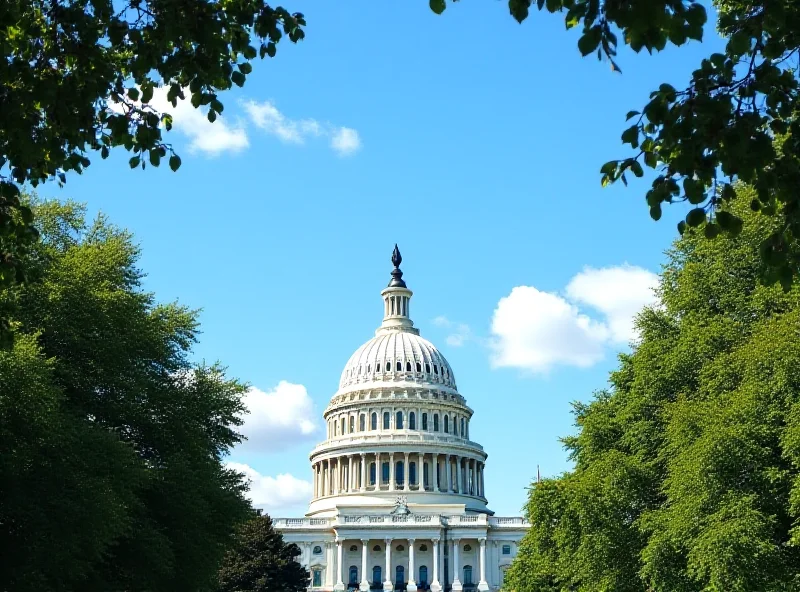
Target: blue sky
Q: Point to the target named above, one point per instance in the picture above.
(472, 142)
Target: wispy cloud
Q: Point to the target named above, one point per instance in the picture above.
(266, 116)
(458, 334)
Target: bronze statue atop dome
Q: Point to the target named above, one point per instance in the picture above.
(397, 275)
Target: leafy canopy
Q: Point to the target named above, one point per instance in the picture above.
(687, 469)
(77, 77)
(111, 439)
(259, 561)
(720, 127)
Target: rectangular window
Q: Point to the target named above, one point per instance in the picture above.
(386, 420)
(506, 549)
(317, 578)
(385, 472)
(424, 421)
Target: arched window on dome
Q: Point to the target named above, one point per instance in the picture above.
(446, 424)
(435, 422)
(463, 435)
(385, 473)
(388, 366)
(455, 427)
(436, 369)
(362, 423)
(412, 421)
(352, 424)
(398, 423)
(387, 418)
(412, 473)
(399, 366)
(399, 474)
(367, 368)
(419, 367)
(425, 421)
(335, 428)
(427, 368)
(372, 476)
(425, 479)
(343, 426)
(374, 422)
(408, 366)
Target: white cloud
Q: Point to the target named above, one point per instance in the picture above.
(345, 141)
(619, 293)
(274, 493)
(459, 334)
(536, 331)
(209, 138)
(266, 116)
(278, 418)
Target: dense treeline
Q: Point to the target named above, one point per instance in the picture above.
(686, 468)
(111, 440)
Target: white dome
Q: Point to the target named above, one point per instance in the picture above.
(397, 356)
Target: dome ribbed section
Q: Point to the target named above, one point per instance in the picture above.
(397, 356)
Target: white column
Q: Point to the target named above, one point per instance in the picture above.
(387, 583)
(421, 472)
(435, 464)
(339, 567)
(391, 471)
(412, 584)
(473, 487)
(459, 484)
(456, 581)
(324, 478)
(363, 483)
(329, 567)
(483, 586)
(350, 483)
(364, 581)
(435, 585)
(336, 477)
(407, 474)
(449, 466)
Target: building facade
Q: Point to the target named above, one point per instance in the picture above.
(398, 486)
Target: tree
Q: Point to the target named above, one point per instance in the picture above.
(259, 561)
(111, 440)
(77, 76)
(721, 127)
(687, 469)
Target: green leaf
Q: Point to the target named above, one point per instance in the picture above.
(133, 94)
(636, 168)
(155, 158)
(590, 40)
(134, 162)
(438, 6)
(711, 230)
(245, 68)
(655, 212)
(237, 78)
(212, 116)
(631, 114)
(696, 217)
(631, 136)
(174, 162)
(519, 9)
(147, 93)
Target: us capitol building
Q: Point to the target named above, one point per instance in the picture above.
(398, 486)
